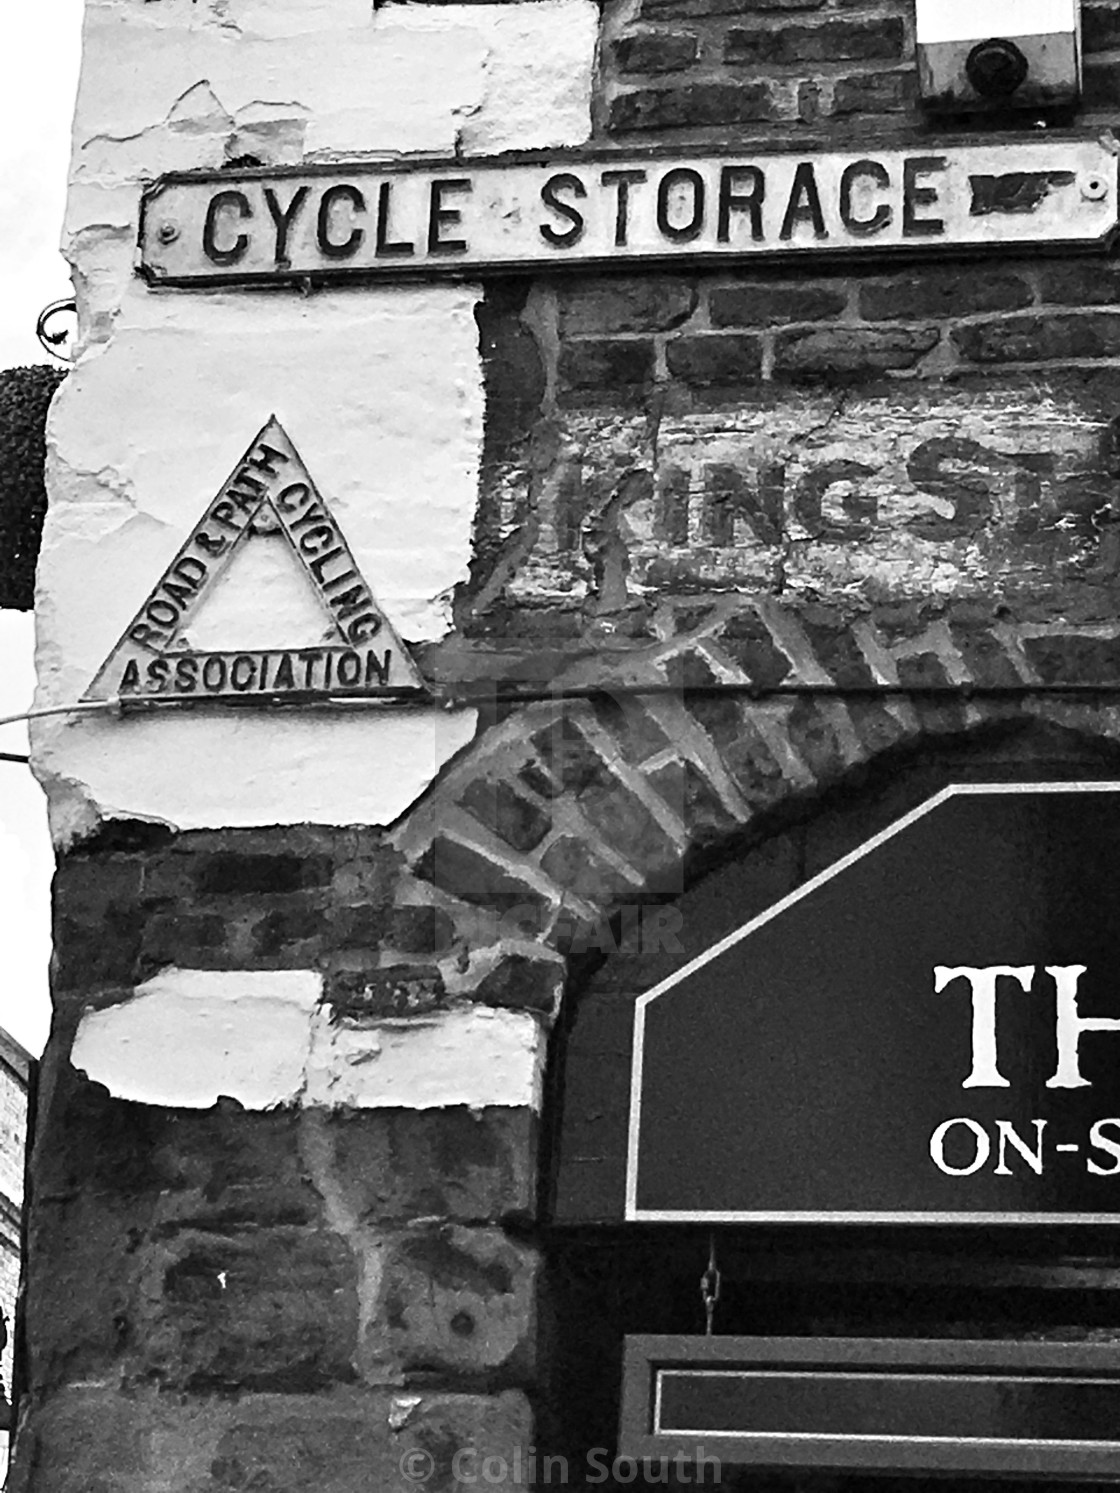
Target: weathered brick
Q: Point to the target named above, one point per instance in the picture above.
(715, 358)
(345, 1440)
(509, 815)
(674, 10)
(466, 873)
(105, 954)
(922, 671)
(649, 304)
(813, 736)
(692, 106)
(246, 874)
(1100, 86)
(985, 657)
(512, 368)
(575, 868)
(358, 1445)
(1039, 338)
(1100, 28)
(466, 1166)
(1080, 282)
(655, 51)
(454, 1299)
(689, 794)
(829, 41)
(852, 350)
(943, 293)
(521, 984)
(597, 364)
(400, 990)
(836, 648)
(758, 304)
(418, 930)
(635, 730)
(571, 761)
(1074, 658)
(875, 93)
(286, 929)
(746, 639)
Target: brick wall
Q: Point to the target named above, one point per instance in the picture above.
(889, 486)
(791, 69)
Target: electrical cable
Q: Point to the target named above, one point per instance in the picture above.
(485, 694)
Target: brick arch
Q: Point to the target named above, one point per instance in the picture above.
(561, 814)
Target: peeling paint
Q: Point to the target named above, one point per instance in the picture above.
(475, 1057)
(381, 391)
(188, 1037)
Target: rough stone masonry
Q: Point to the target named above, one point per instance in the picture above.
(289, 1215)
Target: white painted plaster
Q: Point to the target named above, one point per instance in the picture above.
(380, 388)
(475, 1057)
(189, 1036)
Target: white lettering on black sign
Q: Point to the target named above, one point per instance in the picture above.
(962, 1146)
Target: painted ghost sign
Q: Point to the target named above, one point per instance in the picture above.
(928, 1031)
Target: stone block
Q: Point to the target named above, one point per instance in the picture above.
(571, 761)
(349, 1440)
(462, 1165)
(275, 1308)
(1100, 28)
(374, 1444)
(453, 1299)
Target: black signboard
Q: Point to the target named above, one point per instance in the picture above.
(875, 1404)
(929, 1031)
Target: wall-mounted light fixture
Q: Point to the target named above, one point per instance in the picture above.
(984, 56)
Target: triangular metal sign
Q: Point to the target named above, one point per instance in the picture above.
(269, 491)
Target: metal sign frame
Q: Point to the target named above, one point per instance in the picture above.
(940, 1369)
(636, 1214)
(1015, 208)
